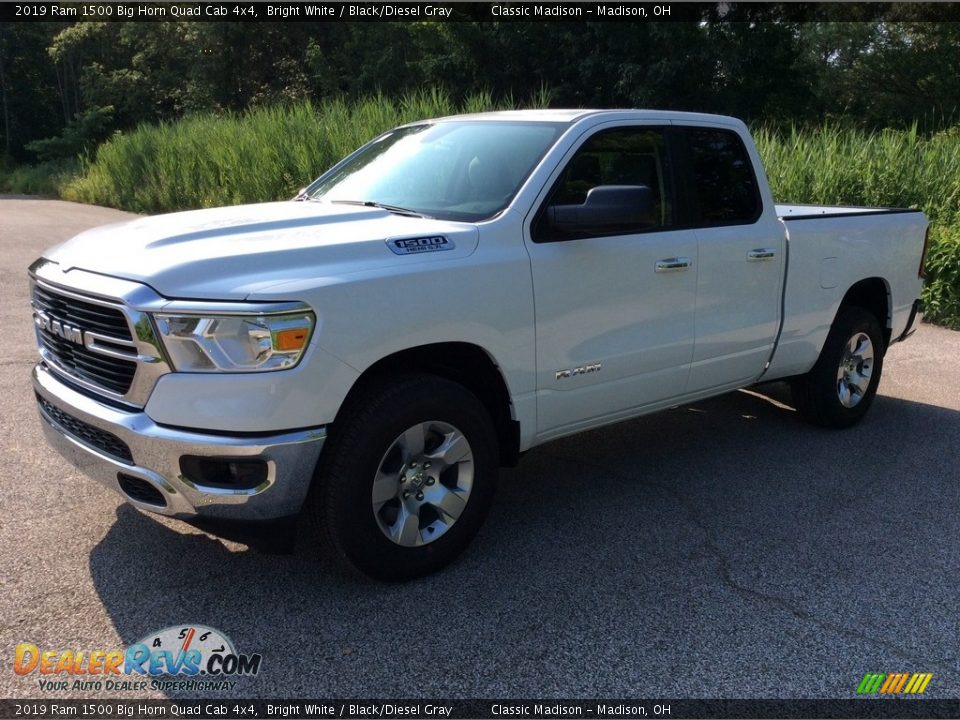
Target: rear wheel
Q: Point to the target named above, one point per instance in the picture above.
(840, 388)
(407, 477)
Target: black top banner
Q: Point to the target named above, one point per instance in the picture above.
(598, 11)
(49, 708)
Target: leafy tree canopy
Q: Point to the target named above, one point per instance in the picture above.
(67, 86)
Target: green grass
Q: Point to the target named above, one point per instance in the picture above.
(46, 179)
(269, 153)
(834, 166)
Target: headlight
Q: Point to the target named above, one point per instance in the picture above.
(234, 343)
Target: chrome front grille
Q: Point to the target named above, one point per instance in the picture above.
(86, 340)
(96, 334)
(99, 318)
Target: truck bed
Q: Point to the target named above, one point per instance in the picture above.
(830, 248)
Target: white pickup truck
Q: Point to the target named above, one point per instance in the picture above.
(450, 295)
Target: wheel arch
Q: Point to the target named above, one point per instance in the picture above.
(464, 363)
(873, 295)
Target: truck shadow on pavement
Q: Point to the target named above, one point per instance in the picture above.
(629, 561)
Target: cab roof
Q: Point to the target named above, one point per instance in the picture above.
(571, 116)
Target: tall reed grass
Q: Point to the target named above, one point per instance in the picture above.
(845, 166)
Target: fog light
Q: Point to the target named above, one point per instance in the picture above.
(224, 473)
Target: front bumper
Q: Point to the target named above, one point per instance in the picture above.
(130, 454)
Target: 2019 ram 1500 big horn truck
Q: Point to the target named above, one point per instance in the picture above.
(451, 294)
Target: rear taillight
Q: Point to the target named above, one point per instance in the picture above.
(922, 270)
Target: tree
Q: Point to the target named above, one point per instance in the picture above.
(28, 90)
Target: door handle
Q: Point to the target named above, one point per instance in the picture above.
(761, 254)
(676, 264)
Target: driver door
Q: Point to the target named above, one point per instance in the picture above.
(615, 307)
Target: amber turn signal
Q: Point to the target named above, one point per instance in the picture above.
(292, 339)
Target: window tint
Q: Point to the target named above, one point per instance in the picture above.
(723, 181)
(624, 156)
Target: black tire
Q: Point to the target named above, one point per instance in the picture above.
(821, 396)
(364, 440)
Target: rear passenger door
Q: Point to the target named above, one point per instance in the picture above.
(614, 307)
(741, 254)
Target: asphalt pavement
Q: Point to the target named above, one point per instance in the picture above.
(718, 550)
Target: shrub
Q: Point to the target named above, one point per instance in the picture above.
(941, 292)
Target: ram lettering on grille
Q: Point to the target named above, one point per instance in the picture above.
(56, 327)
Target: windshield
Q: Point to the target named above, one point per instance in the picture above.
(466, 170)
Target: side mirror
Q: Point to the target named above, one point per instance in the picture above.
(606, 208)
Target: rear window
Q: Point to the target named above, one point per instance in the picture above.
(724, 186)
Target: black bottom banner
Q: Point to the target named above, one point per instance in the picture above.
(45, 709)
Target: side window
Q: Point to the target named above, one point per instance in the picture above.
(724, 186)
(635, 157)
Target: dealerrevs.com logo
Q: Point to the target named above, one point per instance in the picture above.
(180, 657)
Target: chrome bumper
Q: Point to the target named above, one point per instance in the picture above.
(80, 429)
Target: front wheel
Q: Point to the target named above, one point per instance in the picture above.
(840, 388)
(408, 477)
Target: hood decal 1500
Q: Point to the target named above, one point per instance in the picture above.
(416, 245)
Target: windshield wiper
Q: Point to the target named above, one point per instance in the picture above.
(383, 206)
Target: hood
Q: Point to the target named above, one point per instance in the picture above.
(230, 253)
